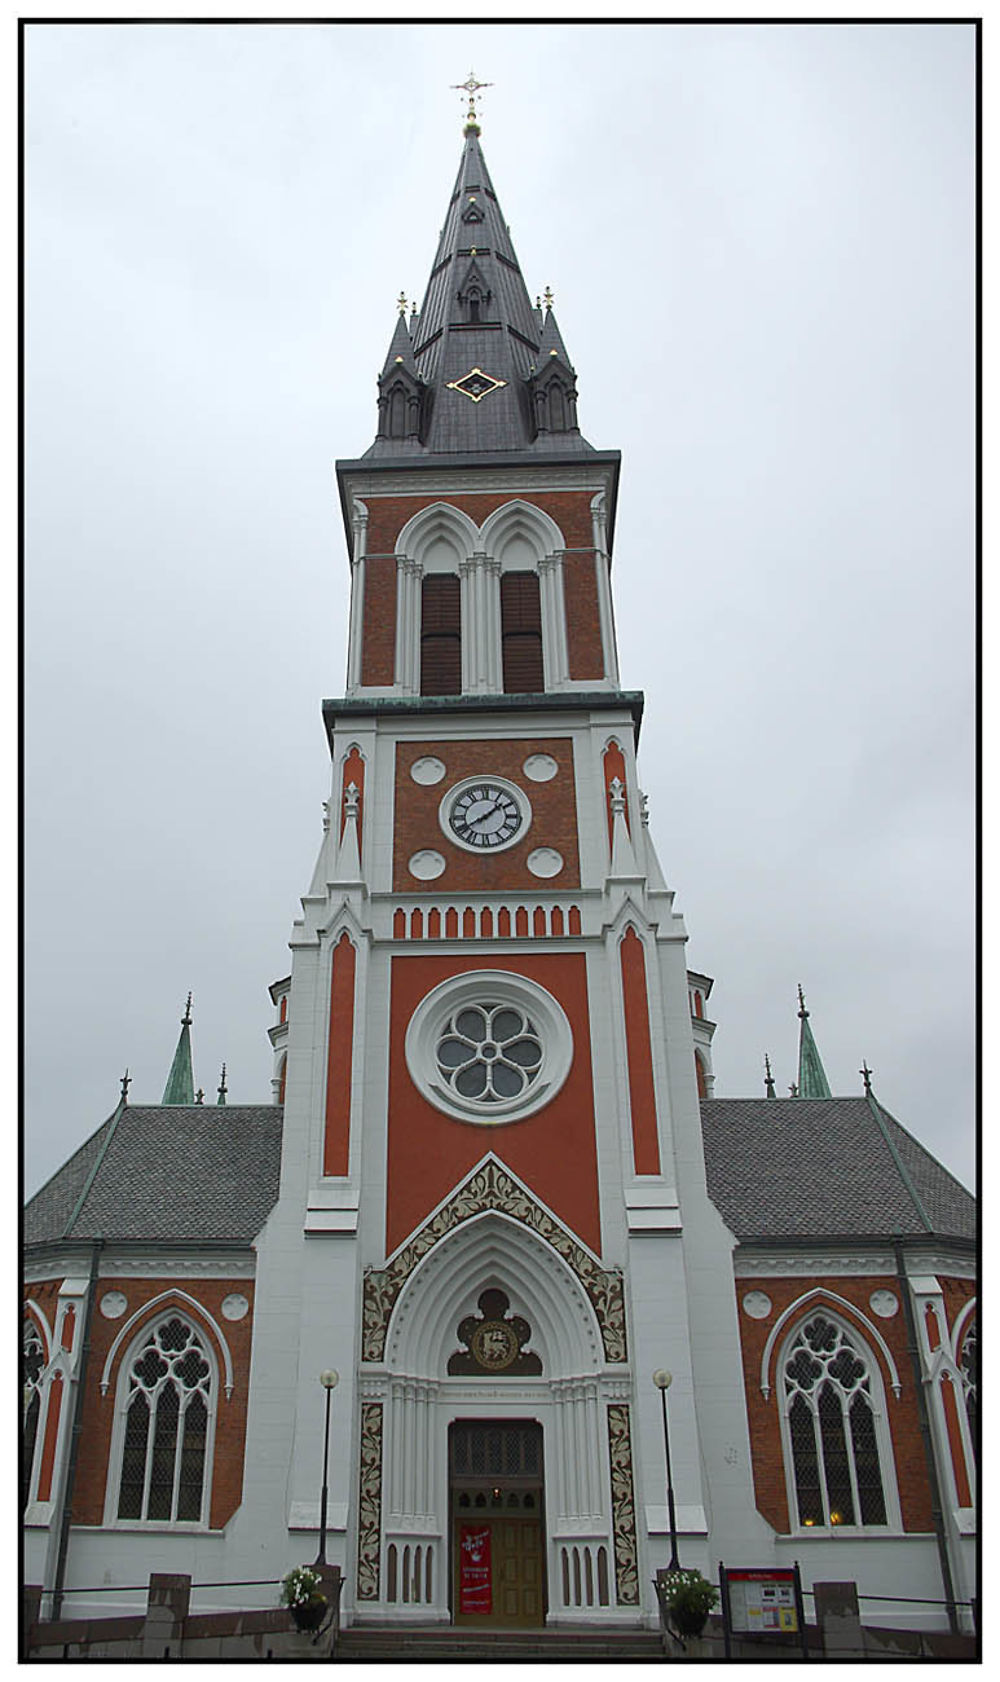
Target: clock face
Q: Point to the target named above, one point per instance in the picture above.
(484, 814)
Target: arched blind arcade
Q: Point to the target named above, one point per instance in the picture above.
(167, 1410)
(827, 1384)
(521, 633)
(441, 635)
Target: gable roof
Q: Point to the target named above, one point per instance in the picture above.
(825, 1168)
(165, 1174)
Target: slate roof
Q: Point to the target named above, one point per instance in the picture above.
(166, 1174)
(505, 344)
(777, 1168)
(822, 1168)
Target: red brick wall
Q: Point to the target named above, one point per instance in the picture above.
(956, 1293)
(553, 821)
(389, 514)
(230, 1428)
(763, 1416)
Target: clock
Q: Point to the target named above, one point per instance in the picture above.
(484, 814)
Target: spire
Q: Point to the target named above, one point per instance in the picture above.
(472, 378)
(400, 352)
(812, 1076)
(551, 343)
(180, 1081)
(222, 1086)
(769, 1091)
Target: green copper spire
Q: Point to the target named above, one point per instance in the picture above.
(180, 1081)
(812, 1076)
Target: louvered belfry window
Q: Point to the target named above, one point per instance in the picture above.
(441, 635)
(521, 632)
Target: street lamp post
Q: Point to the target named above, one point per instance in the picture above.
(662, 1380)
(329, 1381)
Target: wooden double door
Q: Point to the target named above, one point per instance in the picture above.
(497, 1524)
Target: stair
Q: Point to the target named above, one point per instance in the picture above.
(404, 1644)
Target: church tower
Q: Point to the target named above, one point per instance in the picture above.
(493, 1219)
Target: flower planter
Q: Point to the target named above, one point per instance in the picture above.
(310, 1614)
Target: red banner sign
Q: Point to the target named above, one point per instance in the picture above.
(475, 1571)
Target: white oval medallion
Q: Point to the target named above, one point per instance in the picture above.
(113, 1305)
(757, 1304)
(540, 767)
(426, 864)
(884, 1304)
(427, 770)
(235, 1306)
(545, 861)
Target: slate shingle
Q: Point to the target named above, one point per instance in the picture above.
(821, 1168)
(170, 1173)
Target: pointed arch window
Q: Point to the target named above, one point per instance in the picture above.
(831, 1397)
(167, 1402)
(441, 635)
(969, 1364)
(521, 633)
(32, 1363)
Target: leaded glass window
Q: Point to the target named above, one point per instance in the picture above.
(167, 1412)
(32, 1362)
(970, 1382)
(832, 1436)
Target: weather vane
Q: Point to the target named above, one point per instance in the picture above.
(471, 86)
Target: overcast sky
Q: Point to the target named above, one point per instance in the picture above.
(760, 241)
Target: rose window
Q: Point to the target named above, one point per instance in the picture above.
(489, 1053)
(488, 1047)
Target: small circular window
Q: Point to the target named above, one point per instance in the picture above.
(489, 1046)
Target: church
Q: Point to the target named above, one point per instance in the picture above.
(493, 1191)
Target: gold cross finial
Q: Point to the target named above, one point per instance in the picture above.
(401, 303)
(471, 86)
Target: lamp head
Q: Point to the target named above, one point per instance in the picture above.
(329, 1380)
(662, 1379)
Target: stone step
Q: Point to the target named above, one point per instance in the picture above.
(381, 1645)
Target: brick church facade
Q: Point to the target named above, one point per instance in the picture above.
(494, 1189)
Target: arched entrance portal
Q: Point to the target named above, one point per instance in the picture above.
(496, 1521)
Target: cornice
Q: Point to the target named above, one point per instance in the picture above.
(455, 708)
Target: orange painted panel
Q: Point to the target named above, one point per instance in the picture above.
(354, 772)
(554, 1151)
(51, 1437)
(68, 1328)
(614, 766)
(962, 1491)
(642, 1093)
(337, 1139)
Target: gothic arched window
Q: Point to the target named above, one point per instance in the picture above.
(969, 1363)
(830, 1392)
(32, 1363)
(167, 1402)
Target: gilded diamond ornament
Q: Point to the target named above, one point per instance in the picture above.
(476, 384)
